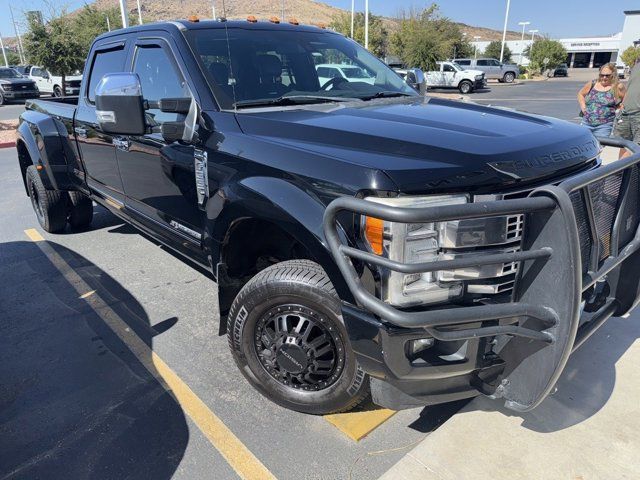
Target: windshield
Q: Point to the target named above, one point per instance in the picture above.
(9, 73)
(457, 66)
(257, 65)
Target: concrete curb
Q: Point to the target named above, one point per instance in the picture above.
(7, 144)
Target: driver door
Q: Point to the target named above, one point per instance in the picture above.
(448, 75)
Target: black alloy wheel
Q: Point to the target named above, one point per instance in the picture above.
(297, 347)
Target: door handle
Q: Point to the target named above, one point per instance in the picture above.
(80, 132)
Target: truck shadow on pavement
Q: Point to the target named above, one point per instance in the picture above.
(74, 400)
(586, 384)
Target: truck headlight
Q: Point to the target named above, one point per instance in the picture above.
(425, 242)
(411, 243)
(479, 77)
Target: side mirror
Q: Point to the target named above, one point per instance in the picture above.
(46, 76)
(416, 80)
(119, 105)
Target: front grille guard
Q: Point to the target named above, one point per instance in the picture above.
(541, 245)
(538, 330)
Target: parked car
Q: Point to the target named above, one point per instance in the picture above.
(52, 84)
(561, 70)
(14, 86)
(492, 68)
(350, 73)
(452, 75)
(363, 238)
(21, 69)
(622, 70)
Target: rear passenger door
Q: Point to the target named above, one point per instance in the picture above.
(484, 66)
(158, 176)
(96, 147)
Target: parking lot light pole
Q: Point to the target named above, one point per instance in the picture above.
(504, 30)
(139, 13)
(4, 54)
(124, 13)
(533, 34)
(524, 24)
(353, 13)
(366, 24)
(475, 46)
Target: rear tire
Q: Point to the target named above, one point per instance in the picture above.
(509, 77)
(80, 210)
(50, 206)
(2, 99)
(287, 337)
(465, 87)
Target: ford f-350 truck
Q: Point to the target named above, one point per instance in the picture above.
(363, 238)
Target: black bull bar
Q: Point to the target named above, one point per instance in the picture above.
(570, 243)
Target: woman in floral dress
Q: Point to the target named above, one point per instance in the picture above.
(600, 100)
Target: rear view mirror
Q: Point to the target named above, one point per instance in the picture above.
(119, 105)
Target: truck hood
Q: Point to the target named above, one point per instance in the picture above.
(431, 145)
(16, 81)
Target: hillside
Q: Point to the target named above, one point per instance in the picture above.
(306, 11)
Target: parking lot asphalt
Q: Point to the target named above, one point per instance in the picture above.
(11, 111)
(77, 402)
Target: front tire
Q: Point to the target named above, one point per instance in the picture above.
(57, 91)
(465, 87)
(509, 77)
(287, 337)
(50, 206)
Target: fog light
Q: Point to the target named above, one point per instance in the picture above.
(421, 344)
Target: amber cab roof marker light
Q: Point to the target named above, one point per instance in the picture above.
(294, 21)
(193, 18)
(274, 19)
(252, 19)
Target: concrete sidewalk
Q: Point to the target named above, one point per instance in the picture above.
(588, 430)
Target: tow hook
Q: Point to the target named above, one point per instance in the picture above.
(598, 296)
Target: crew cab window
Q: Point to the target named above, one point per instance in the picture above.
(159, 79)
(463, 62)
(495, 63)
(37, 72)
(483, 63)
(105, 61)
(448, 68)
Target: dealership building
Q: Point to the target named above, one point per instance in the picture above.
(585, 52)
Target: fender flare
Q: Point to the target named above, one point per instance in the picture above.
(47, 142)
(296, 211)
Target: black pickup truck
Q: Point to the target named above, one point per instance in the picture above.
(363, 238)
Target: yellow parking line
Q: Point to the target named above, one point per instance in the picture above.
(239, 457)
(34, 235)
(358, 424)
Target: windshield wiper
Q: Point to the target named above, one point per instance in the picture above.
(292, 100)
(387, 94)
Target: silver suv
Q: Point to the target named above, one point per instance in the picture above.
(492, 68)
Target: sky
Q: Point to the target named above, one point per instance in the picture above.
(557, 18)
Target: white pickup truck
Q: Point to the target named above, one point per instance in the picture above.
(49, 83)
(452, 75)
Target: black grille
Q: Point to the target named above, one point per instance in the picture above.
(630, 215)
(584, 232)
(73, 83)
(604, 200)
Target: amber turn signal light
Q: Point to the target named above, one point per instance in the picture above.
(373, 232)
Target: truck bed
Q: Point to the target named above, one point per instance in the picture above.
(61, 108)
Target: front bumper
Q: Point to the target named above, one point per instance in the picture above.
(580, 239)
(480, 84)
(72, 91)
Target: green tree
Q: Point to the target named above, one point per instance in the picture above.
(91, 22)
(55, 46)
(631, 55)
(377, 32)
(545, 54)
(493, 51)
(12, 57)
(425, 37)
